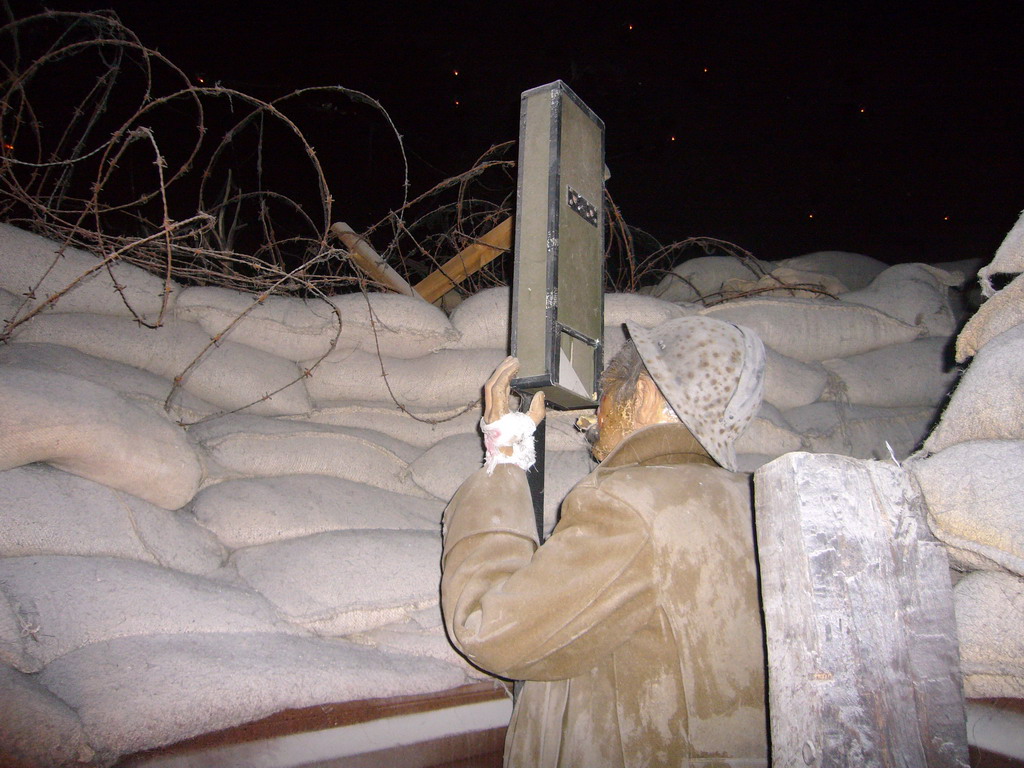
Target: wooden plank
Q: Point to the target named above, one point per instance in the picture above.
(862, 650)
(324, 716)
(469, 260)
(477, 749)
(369, 261)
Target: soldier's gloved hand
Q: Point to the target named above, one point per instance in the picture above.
(508, 435)
(497, 391)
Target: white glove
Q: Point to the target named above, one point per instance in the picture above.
(513, 430)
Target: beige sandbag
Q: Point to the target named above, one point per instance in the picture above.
(75, 601)
(49, 512)
(768, 433)
(445, 379)
(751, 462)
(419, 428)
(790, 383)
(37, 729)
(34, 263)
(1009, 258)
(481, 320)
(286, 326)
(340, 582)
(917, 294)
(299, 329)
(245, 513)
(815, 329)
(785, 281)
(854, 270)
(251, 446)
(987, 403)
(9, 308)
(421, 635)
(17, 624)
(185, 685)
(229, 375)
(409, 638)
(974, 493)
(989, 610)
(443, 468)
(914, 373)
(703, 276)
(228, 425)
(391, 324)
(96, 433)
(966, 268)
(647, 311)
(139, 385)
(860, 431)
(1004, 310)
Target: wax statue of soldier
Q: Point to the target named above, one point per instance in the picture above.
(636, 626)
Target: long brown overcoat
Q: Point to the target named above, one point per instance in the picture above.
(636, 625)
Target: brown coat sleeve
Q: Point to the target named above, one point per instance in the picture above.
(549, 613)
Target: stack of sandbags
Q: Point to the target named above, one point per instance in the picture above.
(226, 374)
(160, 579)
(858, 353)
(971, 473)
(126, 625)
(718, 277)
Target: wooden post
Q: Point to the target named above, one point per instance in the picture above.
(862, 651)
(466, 262)
(369, 261)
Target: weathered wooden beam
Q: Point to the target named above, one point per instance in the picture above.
(369, 261)
(862, 651)
(469, 260)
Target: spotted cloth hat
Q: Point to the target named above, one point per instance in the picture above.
(712, 374)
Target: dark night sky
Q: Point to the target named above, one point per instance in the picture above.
(890, 129)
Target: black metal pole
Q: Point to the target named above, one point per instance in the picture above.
(535, 475)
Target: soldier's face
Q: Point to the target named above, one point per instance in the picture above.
(614, 422)
(617, 420)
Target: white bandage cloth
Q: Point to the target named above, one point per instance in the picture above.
(513, 430)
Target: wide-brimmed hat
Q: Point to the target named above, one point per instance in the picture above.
(712, 374)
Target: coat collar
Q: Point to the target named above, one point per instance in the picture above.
(659, 444)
